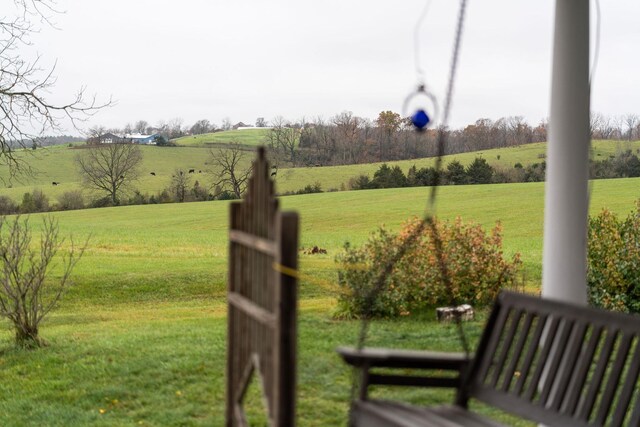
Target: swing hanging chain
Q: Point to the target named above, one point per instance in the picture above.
(429, 217)
(416, 44)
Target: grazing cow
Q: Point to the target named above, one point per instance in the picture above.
(192, 170)
(199, 171)
(55, 183)
(153, 173)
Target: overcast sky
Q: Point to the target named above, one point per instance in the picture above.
(212, 59)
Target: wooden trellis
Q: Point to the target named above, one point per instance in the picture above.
(262, 299)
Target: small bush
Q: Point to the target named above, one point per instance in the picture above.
(613, 273)
(308, 189)
(474, 259)
(7, 206)
(360, 182)
(29, 292)
(36, 201)
(102, 202)
(70, 200)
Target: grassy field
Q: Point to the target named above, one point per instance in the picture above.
(57, 164)
(252, 137)
(140, 338)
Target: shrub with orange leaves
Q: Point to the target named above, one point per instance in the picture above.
(475, 266)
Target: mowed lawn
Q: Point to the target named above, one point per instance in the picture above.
(140, 338)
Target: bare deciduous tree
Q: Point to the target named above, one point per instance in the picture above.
(180, 183)
(631, 121)
(283, 138)
(25, 112)
(231, 172)
(27, 294)
(202, 126)
(141, 126)
(110, 168)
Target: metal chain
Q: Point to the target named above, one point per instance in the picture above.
(429, 216)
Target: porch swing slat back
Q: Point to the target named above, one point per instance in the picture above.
(547, 361)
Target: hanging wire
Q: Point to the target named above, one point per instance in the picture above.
(416, 43)
(596, 49)
(429, 216)
(592, 73)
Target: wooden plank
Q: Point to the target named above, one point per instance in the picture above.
(232, 360)
(287, 307)
(580, 373)
(506, 346)
(635, 416)
(413, 381)
(557, 354)
(551, 330)
(614, 379)
(395, 358)
(252, 309)
(257, 243)
(531, 352)
(567, 370)
(485, 357)
(586, 406)
(517, 352)
(628, 387)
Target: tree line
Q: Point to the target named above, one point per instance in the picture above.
(348, 139)
(625, 164)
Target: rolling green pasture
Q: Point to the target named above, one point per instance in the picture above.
(140, 338)
(337, 177)
(57, 164)
(253, 137)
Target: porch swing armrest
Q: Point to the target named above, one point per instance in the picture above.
(394, 358)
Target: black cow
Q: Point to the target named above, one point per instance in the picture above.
(55, 183)
(153, 173)
(192, 170)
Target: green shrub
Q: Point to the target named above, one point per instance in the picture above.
(36, 201)
(474, 259)
(479, 172)
(70, 200)
(7, 206)
(613, 271)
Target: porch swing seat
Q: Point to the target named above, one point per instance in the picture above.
(542, 360)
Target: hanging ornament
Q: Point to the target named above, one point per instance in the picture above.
(422, 108)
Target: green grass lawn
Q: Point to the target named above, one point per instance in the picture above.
(140, 338)
(252, 137)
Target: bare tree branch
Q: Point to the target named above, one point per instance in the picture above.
(110, 168)
(229, 174)
(25, 112)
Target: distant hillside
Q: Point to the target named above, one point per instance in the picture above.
(251, 137)
(57, 164)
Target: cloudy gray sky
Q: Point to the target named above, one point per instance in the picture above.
(213, 59)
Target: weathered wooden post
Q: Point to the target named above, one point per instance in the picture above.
(262, 301)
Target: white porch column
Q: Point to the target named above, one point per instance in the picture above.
(566, 196)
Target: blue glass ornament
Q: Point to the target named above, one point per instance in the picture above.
(420, 119)
(416, 101)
